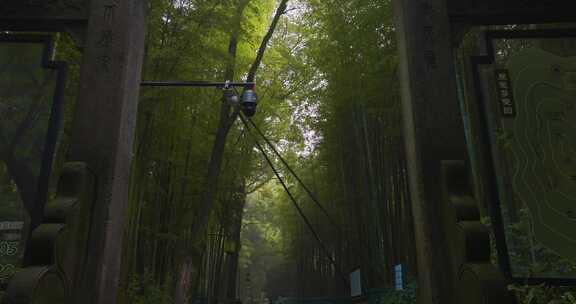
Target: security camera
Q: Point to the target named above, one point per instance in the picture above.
(231, 96)
(249, 102)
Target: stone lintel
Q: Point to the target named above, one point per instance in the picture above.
(484, 12)
(30, 15)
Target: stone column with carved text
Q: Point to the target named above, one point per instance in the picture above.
(433, 132)
(103, 134)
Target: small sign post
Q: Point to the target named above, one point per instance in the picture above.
(356, 283)
(399, 277)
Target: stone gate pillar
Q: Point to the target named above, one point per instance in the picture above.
(103, 133)
(433, 132)
(454, 249)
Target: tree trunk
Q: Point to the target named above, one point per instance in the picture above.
(228, 115)
(235, 256)
(225, 123)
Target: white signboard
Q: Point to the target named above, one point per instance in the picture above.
(399, 277)
(356, 283)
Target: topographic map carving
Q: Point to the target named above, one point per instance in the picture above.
(542, 145)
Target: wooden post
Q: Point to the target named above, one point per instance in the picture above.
(433, 132)
(103, 134)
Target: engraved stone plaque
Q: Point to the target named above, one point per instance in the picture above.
(530, 100)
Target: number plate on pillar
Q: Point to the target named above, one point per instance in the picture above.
(10, 238)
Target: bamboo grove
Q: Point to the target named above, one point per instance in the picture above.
(358, 169)
(207, 220)
(289, 205)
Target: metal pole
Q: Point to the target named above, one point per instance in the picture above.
(177, 83)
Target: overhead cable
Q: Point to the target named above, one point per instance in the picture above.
(293, 200)
(308, 191)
